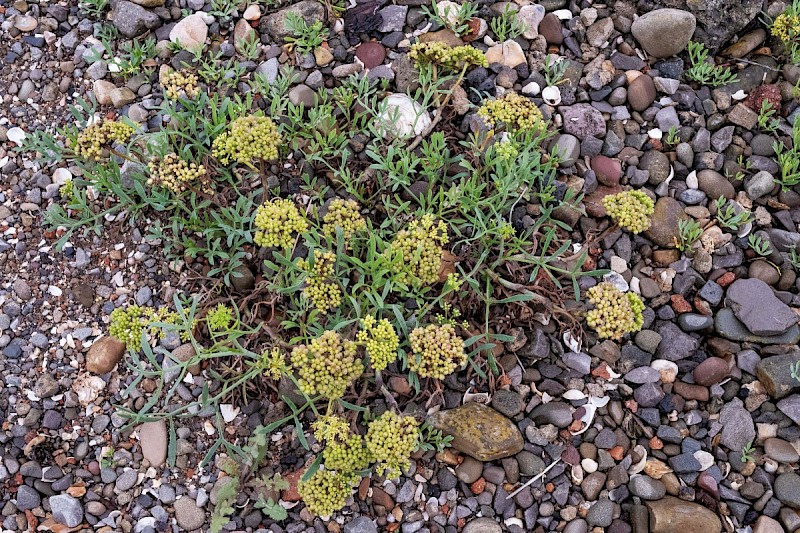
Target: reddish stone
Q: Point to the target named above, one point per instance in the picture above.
(712, 370)
(690, 392)
(571, 456)
(478, 486)
(474, 30)
(707, 482)
(550, 29)
(726, 279)
(380, 497)
(363, 488)
(641, 92)
(371, 54)
(679, 304)
(594, 200)
(702, 306)
(770, 93)
(602, 371)
(608, 170)
(292, 478)
(656, 444)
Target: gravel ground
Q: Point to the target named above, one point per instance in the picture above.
(680, 406)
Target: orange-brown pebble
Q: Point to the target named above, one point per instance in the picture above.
(656, 444)
(617, 452)
(478, 486)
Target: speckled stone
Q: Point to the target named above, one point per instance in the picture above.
(479, 431)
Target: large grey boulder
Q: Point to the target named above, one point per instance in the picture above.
(717, 20)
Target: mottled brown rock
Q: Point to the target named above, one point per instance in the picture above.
(670, 515)
(479, 431)
(104, 355)
(594, 200)
(775, 373)
(641, 92)
(664, 222)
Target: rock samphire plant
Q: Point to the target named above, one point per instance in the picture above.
(631, 210)
(615, 312)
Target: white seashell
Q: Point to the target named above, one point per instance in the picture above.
(655, 133)
(638, 467)
(739, 95)
(88, 388)
(531, 89)
(573, 394)
(617, 281)
(512, 521)
(563, 14)
(228, 412)
(15, 135)
(253, 12)
(61, 176)
(551, 95)
(571, 342)
(745, 230)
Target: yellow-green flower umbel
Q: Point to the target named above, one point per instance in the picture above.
(420, 247)
(436, 351)
(321, 287)
(515, 111)
(390, 440)
(327, 366)
(381, 341)
(630, 209)
(449, 57)
(249, 138)
(95, 138)
(178, 175)
(343, 214)
(615, 312)
(277, 221)
(348, 455)
(326, 491)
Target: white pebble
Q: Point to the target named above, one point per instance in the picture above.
(531, 89)
(589, 465)
(618, 264)
(705, 459)
(16, 135)
(691, 180)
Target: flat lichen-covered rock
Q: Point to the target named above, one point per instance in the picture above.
(479, 431)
